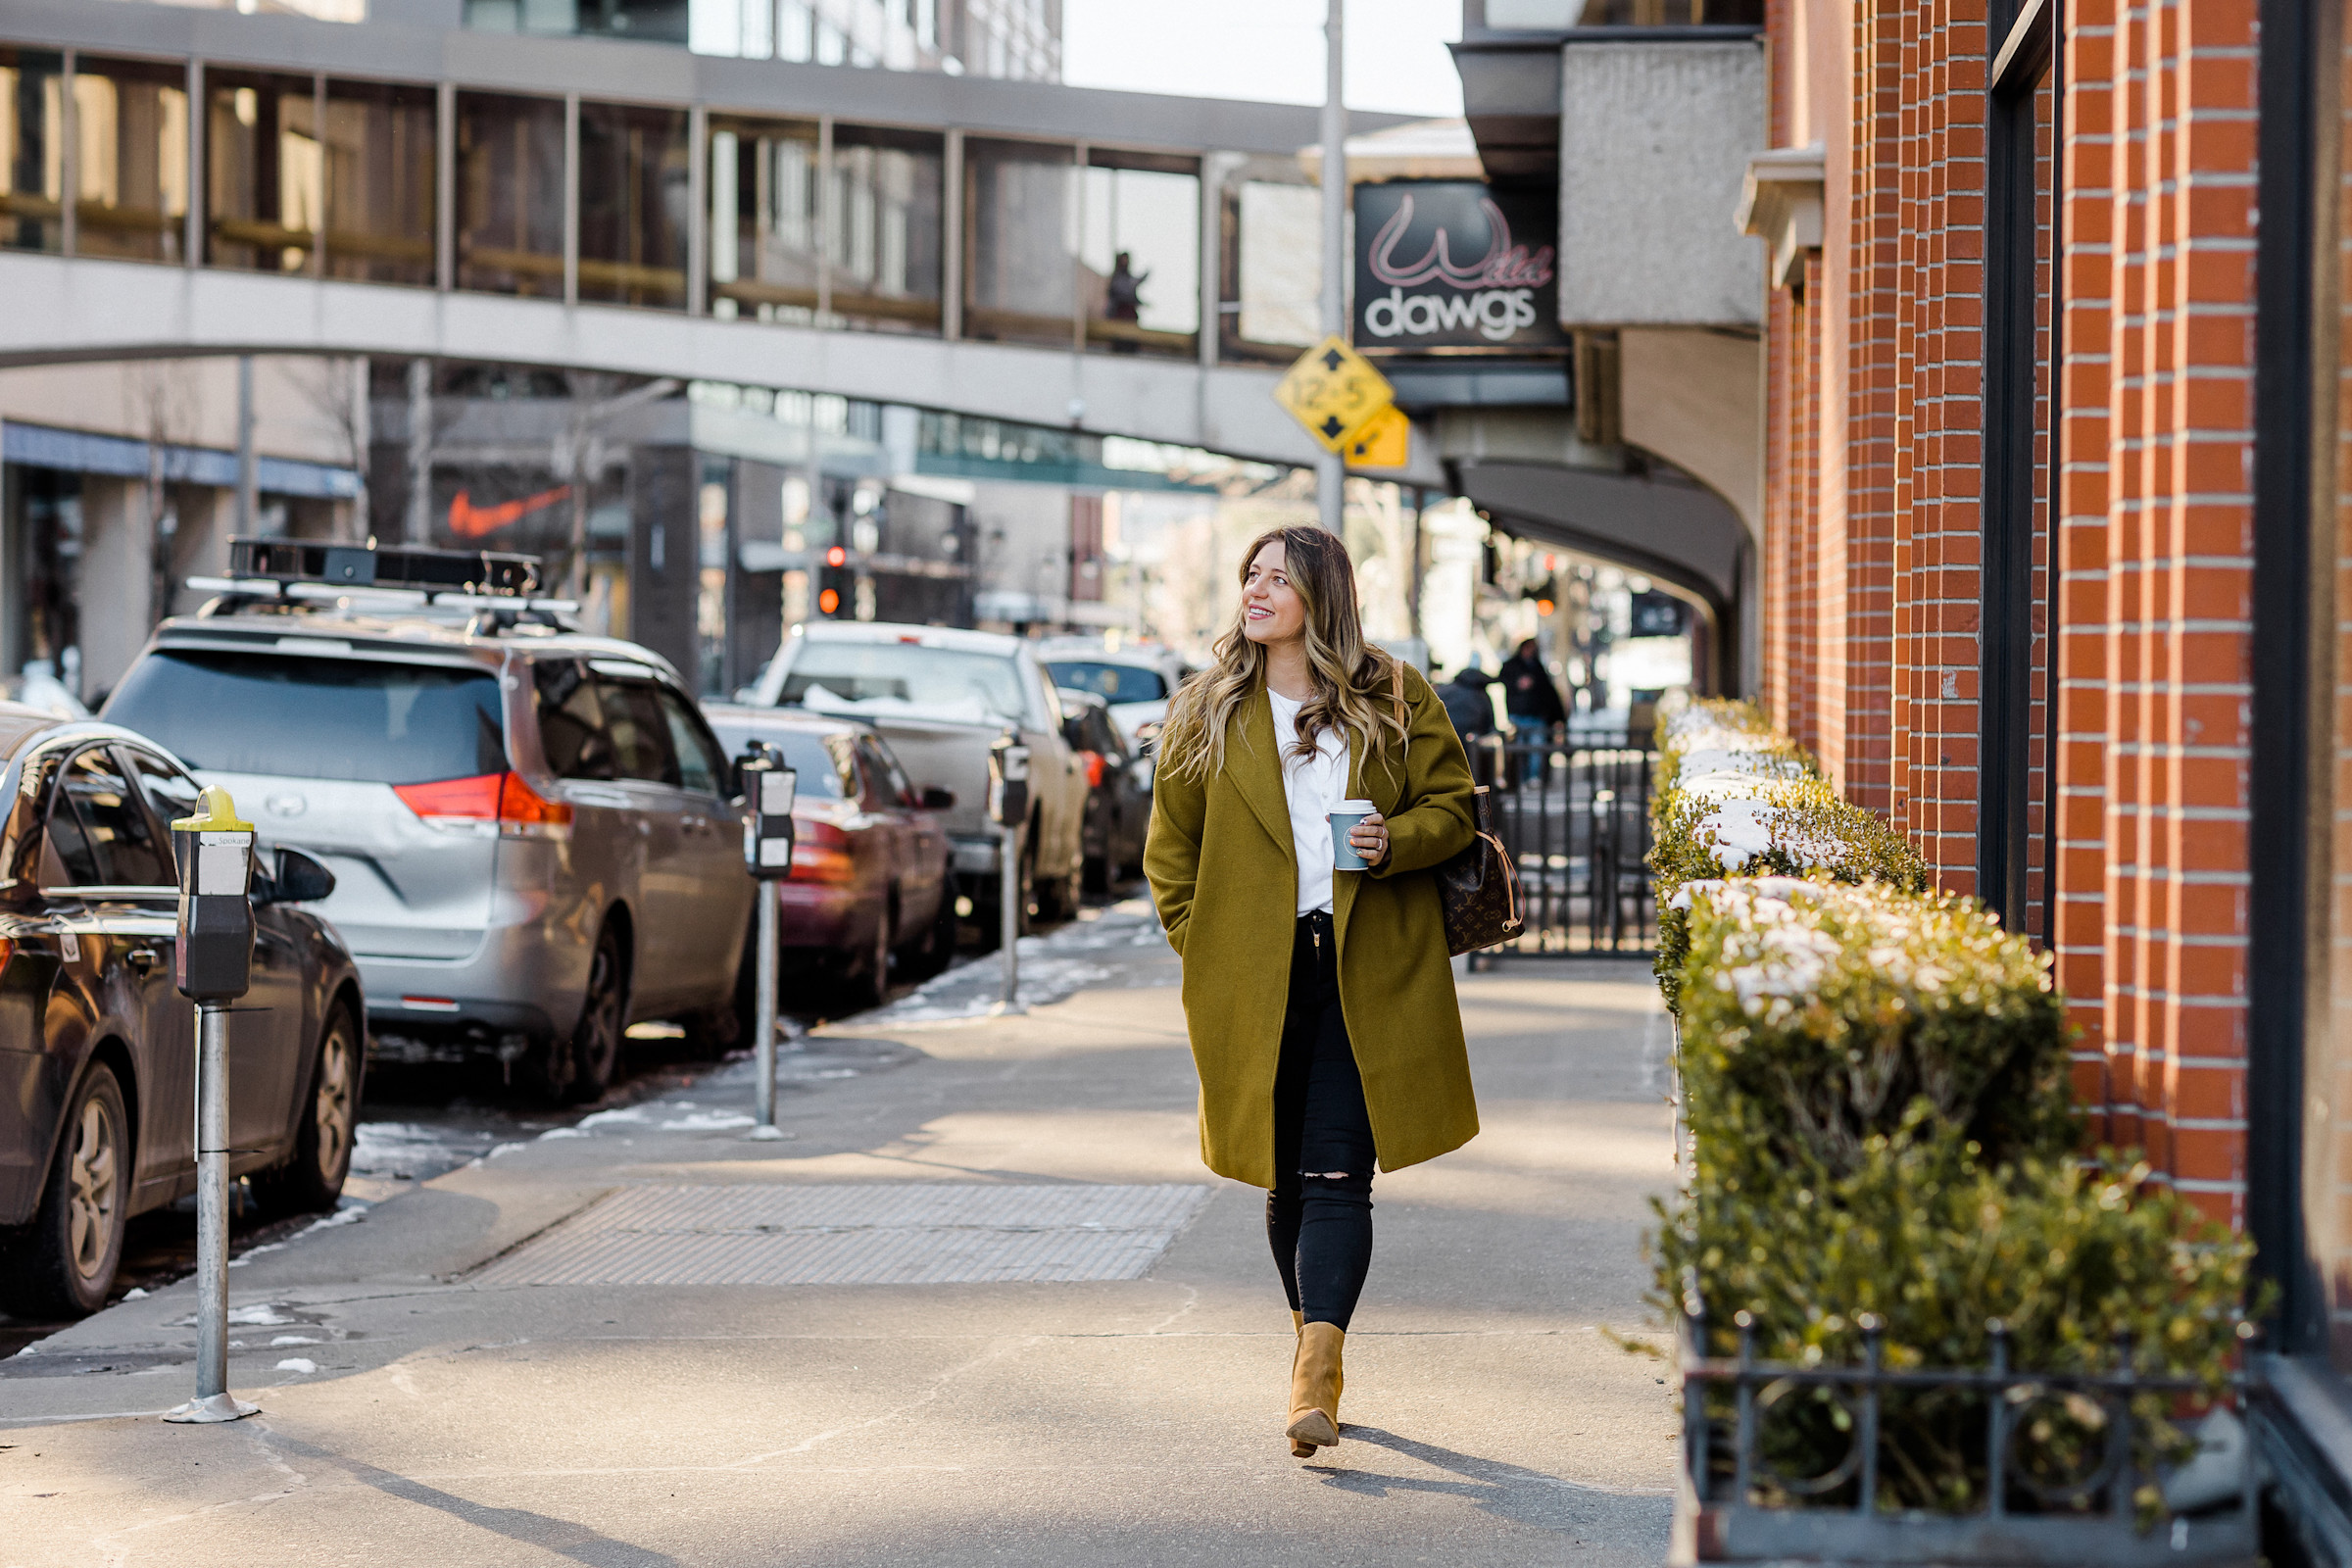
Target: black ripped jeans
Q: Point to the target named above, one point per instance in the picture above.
(1319, 1214)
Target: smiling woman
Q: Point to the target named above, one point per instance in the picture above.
(1364, 1062)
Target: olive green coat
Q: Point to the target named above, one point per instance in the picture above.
(1225, 876)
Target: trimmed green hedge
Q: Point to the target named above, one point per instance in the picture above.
(1875, 1082)
(1735, 798)
(1816, 1016)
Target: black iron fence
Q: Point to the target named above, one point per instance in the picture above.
(1574, 815)
(1783, 1462)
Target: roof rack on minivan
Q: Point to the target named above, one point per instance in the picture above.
(295, 572)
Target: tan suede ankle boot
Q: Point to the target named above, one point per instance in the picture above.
(1315, 1388)
(1299, 1450)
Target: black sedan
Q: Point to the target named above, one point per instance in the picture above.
(1118, 789)
(97, 1046)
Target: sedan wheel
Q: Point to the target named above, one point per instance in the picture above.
(312, 1179)
(65, 1261)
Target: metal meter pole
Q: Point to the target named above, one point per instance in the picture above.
(212, 1209)
(1010, 918)
(765, 978)
(1008, 808)
(768, 790)
(213, 966)
(1330, 474)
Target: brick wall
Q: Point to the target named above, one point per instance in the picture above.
(2156, 559)
(1873, 501)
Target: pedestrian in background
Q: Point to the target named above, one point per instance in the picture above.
(1534, 704)
(1470, 706)
(1362, 1060)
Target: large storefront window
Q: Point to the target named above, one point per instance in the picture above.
(379, 182)
(32, 147)
(131, 164)
(633, 165)
(763, 221)
(510, 194)
(265, 179)
(1140, 253)
(884, 248)
(1021, 207)
(1270, 259)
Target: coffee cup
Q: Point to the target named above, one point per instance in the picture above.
(1342, 822)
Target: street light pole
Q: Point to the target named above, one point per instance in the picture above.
(1330, 472)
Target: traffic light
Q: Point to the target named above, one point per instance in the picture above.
(833, 583)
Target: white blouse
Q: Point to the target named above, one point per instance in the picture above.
(1314, 785)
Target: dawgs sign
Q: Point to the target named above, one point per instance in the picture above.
(1451, 265)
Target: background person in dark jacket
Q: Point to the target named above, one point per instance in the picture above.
(1534, 704)
(1472, 709)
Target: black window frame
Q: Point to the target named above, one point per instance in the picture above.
(2028, 54)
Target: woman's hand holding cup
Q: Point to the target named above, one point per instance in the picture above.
(1359, 837)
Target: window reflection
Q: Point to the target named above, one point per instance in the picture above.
(1139, 254)
(132, 161)
(510, 194)
(1270, 250)
(763, 221)
(32, 169)
(633, 205)
(379, 182)
(263, 171)
(1020, 236)
(2327, 1085)
(885, 249)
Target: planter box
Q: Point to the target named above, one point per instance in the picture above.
(2087, 1522)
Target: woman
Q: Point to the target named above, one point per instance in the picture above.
(1363, 1061)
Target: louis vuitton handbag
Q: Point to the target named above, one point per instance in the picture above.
(1479, 888)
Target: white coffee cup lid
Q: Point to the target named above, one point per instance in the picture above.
(1364, 807)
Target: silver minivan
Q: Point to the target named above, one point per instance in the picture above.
(531, 830)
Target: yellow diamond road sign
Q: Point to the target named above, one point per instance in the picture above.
(1384, 441)
(1334, 392)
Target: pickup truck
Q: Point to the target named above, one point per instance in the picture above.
(941, 696)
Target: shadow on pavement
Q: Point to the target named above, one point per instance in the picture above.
(1506, 1490)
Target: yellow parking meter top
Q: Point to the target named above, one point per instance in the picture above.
(219, 815)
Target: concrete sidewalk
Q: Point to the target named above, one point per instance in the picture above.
(1040, 1408)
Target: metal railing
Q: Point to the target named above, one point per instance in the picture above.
(1737, 1505)
(1574, 816)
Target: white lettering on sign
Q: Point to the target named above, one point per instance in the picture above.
(1495, 312)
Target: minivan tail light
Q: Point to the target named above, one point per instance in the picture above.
(1093, 769)
(525, 813)
(503, 802)
(454, 799)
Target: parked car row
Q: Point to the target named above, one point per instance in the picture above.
(487, 836)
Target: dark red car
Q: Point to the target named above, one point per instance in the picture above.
(869, 898)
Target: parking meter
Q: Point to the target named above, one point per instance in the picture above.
(1008, 808)
(767, 793)
(215, 957)
(1008, 781)
(212, 964)
(768, 788)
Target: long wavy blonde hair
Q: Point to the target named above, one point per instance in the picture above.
(1352, 679)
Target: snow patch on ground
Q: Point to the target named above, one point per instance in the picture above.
(1082, 954)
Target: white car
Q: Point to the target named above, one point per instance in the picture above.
(1137, 679)
(941, 696)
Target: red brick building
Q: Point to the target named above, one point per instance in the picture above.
(2053, 567)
